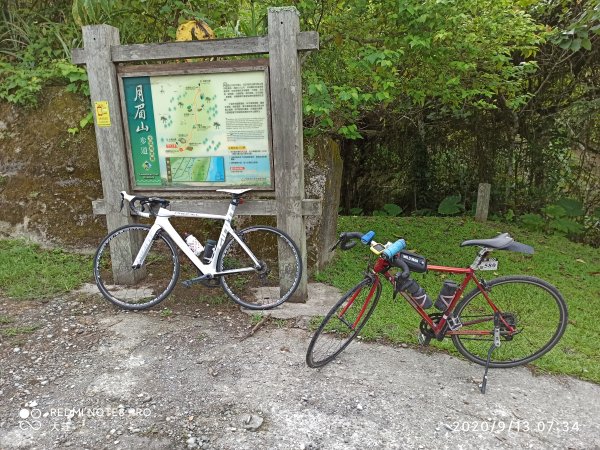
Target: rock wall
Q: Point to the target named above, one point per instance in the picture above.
(48, 178)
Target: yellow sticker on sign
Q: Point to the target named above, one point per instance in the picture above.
(102, 114)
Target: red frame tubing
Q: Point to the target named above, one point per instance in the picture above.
(349, 304)
(367, 301)
(382, 266)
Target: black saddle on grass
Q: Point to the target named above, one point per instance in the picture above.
(501, 242)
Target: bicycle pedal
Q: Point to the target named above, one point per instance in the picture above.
(423, 340)
(454, 323)
(202, 279)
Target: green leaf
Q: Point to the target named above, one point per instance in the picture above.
(586, 43)
(554, 211)
(534, 222)
(566, 226)
(575, 44)
(572, 207)
(392, 210)
(564, 44)
(450, 206)
(356, 211)
(350, 132)
(510, 215)
(86, 119)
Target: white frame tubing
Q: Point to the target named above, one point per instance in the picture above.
(162, 223)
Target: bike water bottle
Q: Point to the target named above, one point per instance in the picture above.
(416, 292)
(446, 295)
(194, 244)
(208, 251)
(393, 249)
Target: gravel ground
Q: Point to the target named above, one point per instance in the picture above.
(91, 376)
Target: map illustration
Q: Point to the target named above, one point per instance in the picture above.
(198, 130)
(195, 169)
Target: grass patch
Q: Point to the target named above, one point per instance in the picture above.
(27, 271)
(573, 268)
(5, 319)
(166, 312)
(256, 318)
(16, 331)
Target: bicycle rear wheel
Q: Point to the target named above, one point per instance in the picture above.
(344, 322)
(533, 307)
(130, 288)
(277, 277)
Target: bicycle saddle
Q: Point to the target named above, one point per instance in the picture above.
(501, 242)
(236, 192)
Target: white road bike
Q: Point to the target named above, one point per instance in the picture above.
(137, 266)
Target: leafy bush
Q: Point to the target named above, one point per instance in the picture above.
(557, 217)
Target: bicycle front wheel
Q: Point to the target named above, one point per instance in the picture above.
(140, 288)
(532, 308)
(273, 281)
(343, 322)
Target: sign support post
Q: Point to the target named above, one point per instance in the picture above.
(104, 92)
(286, 111)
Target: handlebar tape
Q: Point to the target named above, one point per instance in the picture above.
(347, 240)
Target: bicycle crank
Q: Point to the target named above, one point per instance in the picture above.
(205, 280)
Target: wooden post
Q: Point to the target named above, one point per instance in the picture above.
(483, 202)
(286, 113)
(102, 76)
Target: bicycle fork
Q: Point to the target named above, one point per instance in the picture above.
(494, 346)
(341, 317)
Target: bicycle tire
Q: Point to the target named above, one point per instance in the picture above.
(260, 289)
(320, 352)
(537, 309)
(141, 288)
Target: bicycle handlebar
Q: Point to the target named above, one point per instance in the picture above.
(138, 204)
(347, 240)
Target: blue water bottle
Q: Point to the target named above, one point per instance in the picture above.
(394, 249)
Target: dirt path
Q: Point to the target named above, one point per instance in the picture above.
(142, 380)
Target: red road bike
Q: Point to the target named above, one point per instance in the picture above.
(505, 322)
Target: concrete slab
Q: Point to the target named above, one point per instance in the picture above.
(321, 297)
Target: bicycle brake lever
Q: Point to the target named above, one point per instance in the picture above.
(400, 276)
(336, 245)
(396, 285)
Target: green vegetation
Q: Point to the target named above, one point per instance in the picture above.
(166, 313)
(16, 331)
(573, 268)
(256, 318)
(429, 98)
(27, 271)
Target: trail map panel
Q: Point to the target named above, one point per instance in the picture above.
(201, 130)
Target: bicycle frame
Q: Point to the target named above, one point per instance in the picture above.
(440, 329)
(162, 223)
